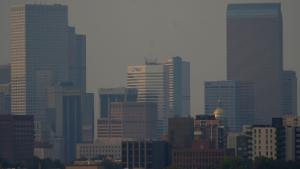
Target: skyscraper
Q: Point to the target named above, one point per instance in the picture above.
(44, 51)
(65, 116)
(179, 98)
(77, 59)
(151, 82)
(254, 54)
(39, 46)
(289, 93)
(235, 98)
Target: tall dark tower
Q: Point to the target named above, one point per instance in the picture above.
(254, 54)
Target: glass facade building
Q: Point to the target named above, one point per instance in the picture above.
(254, 54)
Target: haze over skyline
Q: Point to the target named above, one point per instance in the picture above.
(122, 33)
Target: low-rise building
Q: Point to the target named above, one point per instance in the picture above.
(200, 156)
(104, 148)
(16, 137)
(239, 142)
(145, 154)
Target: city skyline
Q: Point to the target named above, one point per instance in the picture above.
(190, 41)
(184, 103)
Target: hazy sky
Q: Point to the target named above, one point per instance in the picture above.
(125, 32)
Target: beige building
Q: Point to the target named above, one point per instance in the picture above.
(292, 137)
(291, 121)
(129, 120)
(105, 147)
(264, 142)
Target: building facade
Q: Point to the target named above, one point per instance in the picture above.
(145, 154)
(44, 51)
(4, 74)
(288, 137)
(151, 82)
(129, 120)
(17, 137)
(88, 118)
(65, 116)
(289, 93)
(199, 156)
(181, 132)
(209, 129)
(178, 75)
(111, 95)
(236, 98)
(240, 143)
(254, 54)
(110, 148)
(5, 99)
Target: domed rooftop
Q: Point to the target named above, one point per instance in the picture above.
(218, 112)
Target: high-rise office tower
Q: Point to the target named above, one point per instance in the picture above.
(179, 98)
(65, 116)
(235, 98)
(44, 51)
(39, 46)
(254, 54)
(289, 93)
(77, 59)
(151, 82)
(110, 95)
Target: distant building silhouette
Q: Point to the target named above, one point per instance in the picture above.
(289, 93)
(88, 117)
(5, 100)
(236, 98)
(254, 54)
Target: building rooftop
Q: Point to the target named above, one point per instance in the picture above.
(254, 9)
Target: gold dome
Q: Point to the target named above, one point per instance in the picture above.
(218, 112)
